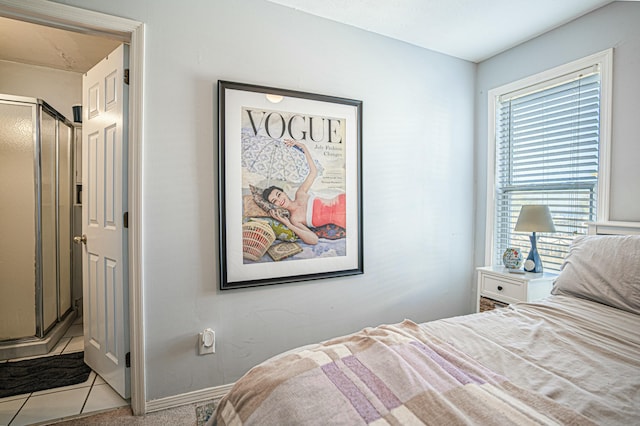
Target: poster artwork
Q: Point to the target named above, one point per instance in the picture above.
(293, 186)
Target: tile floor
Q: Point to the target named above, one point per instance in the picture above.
(54, 404)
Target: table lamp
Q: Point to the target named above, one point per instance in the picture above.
(534, 218)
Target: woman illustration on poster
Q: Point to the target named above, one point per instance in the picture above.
(305, 209)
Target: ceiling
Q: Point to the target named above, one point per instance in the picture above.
(33, 44)
(473, 30)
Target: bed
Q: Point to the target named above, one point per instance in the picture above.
(571, 358)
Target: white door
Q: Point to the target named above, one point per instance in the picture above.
(104, 202)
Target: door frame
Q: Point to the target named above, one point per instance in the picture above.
(89, 22)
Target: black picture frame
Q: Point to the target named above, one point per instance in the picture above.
(309, 147)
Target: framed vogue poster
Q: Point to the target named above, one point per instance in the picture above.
(290, 185)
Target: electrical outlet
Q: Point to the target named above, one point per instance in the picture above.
(207, 342)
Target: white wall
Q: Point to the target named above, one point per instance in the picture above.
(615, 25)
(60, 89)
(418, 183)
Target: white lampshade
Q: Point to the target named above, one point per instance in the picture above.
(535, 218)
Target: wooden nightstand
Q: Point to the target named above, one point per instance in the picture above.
(498, 287)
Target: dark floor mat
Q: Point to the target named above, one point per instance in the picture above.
(38, 374)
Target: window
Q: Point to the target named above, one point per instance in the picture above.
(549, 134)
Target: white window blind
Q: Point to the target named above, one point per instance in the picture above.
(547, 152)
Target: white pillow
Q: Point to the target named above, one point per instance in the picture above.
(603, 268)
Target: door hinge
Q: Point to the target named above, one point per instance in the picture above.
(126, 76)
(125, 219)
(127, 360)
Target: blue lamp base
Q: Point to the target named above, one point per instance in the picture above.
(533, 262)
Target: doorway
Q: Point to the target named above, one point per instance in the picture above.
(132, 32)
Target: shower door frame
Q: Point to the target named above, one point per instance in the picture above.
(37, 107)
(41, 327)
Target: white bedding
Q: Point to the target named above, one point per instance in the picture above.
(577, 352)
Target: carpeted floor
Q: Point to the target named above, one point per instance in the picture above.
(32, 375)
(192, 415)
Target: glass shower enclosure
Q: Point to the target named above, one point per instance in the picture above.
(36, 202)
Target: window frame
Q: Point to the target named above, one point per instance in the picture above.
(604, 61)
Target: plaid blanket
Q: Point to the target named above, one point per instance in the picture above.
(392, 374)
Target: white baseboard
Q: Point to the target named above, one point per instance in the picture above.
(187, 398)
